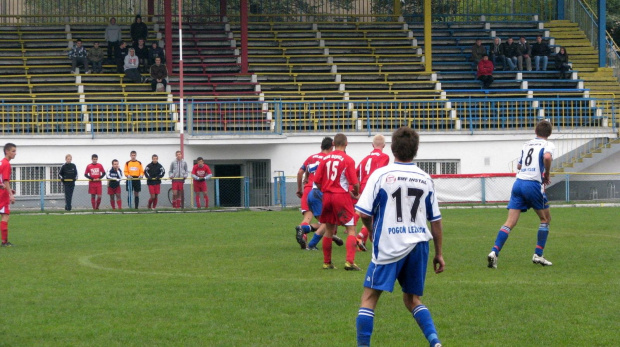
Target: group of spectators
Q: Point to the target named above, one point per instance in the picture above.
(511, 55)
(133, 172)
(132, 61)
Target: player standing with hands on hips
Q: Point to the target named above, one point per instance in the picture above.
(528, 191)
(398, 201)
(7, 195)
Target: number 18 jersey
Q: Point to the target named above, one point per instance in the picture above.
(401, 199)
(531, 161)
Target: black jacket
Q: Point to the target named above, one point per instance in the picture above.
(541, 49)
(114, 177)
(512, 50)
(68, 173)
(154, 173)
(139, 31)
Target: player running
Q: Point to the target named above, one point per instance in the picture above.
(399, 200)
(528, 191)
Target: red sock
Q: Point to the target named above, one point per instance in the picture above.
(363, 234)
(98, 202)
(351, 248)
(150, 202)
(4, 230)
(93, 202)
(327, 250)
(206, 201)
(113, 203)
(119, 204)
(154, 202)
(197, 200)
(179, 203)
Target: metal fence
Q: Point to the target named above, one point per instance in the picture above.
(481, 189)
(222, 192)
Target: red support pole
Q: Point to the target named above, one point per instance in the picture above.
(243, 11)
(168, 33)
(223, 9)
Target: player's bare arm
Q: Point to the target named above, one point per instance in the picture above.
(547, 159)
(437, 232)
(367, 220)
(300, 175)
(355, 192)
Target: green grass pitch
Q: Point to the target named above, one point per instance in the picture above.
(240, 279)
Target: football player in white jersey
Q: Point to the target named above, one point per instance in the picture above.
(528, 191)
(395, 206)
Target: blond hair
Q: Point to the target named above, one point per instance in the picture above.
(378, 141)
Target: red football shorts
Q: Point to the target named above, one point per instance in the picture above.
(177, 184)
(5, 209)
(304, 199)
(94, 188)
(200, 186)
(155, 189)
(337, 209)
(116, 190)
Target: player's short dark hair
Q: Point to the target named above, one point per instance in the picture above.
(133, 152)
(114, 161)
(94, 156)
(327, 143)
(199, 159)
(154, 156)
(340, 140)
(543, 128)
(177, 152)
(405, 142)
(9, 146)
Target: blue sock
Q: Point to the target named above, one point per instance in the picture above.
(315, 240)
(543, 232)
(365, 321)
(423, 316)
(306, 228)
(502, 236)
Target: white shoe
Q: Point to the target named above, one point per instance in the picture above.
(437, 345)
(536, 259)
(492, 259)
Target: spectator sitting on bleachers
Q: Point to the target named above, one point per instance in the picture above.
(511, 52)
(121, 53)
(525, 51)
(78, 55)
(156, 51)
(95, 56)
(485, 71)
(477, 50)
(561, 63)
(132, 63)
(496, 53)
(142, 52)
(159, 73)
(138, 30)
(114, 37)
(540, 51)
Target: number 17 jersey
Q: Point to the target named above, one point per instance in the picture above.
(401, 199)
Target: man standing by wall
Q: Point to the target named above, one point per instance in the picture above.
(178, 174)
(134, 171)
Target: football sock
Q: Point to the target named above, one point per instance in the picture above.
(198, 201)
(98, 202)
(119, 203)
(422, 316)
(4, 230)
(113, 203)
(351, 248)
(137, 202)
(363, 234)
(327, 250)
(93, 202)
(313, 228)
(315, 240)
(306, 228)
(364, 322)
(150, 203)
(206, 201)
(502, 236)
(543, 232)
(155, 202)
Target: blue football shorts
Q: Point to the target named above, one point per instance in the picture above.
(410, 272)
(526, 195)
(315, 202)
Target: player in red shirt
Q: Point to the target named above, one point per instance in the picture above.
(7, 196)
(201, 173)
(367, 166)
(334, 176)
(95, 172)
